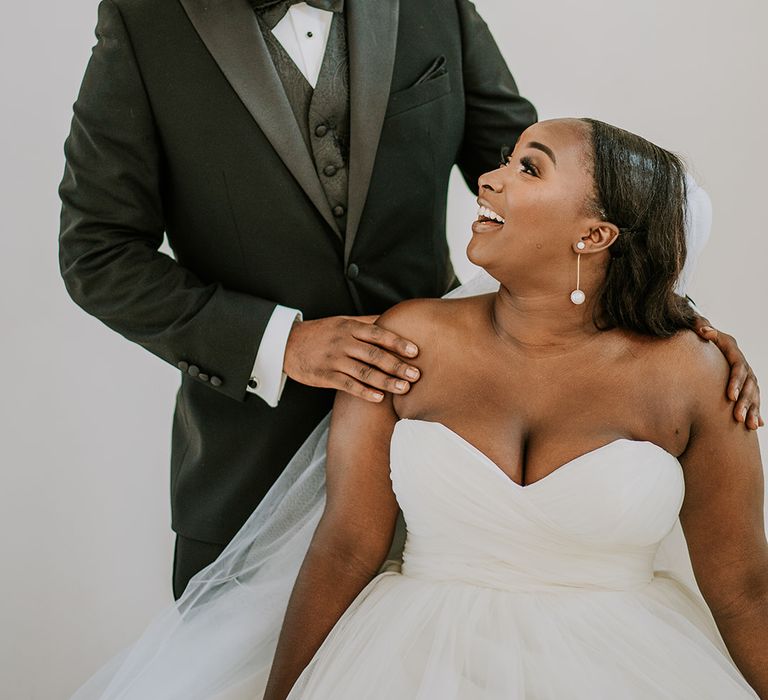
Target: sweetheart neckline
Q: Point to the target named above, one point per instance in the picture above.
(498, 470)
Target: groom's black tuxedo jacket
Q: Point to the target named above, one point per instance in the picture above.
(182, 127)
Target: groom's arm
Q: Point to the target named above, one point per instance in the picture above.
(112, 225)
(495, 113)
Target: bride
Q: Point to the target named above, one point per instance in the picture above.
(637, 568)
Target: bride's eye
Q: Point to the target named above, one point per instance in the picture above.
(527, 166)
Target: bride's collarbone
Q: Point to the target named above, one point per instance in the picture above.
(509, 409)
(526, 435)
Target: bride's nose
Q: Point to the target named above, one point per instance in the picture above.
(491, 181)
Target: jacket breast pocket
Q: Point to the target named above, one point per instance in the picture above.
(419, 94)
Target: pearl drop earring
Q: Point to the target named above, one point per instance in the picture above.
(578, 296)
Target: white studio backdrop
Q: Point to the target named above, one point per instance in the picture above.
(86, 416)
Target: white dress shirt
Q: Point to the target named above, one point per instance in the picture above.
(303, 33)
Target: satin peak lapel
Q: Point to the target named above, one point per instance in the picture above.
(371, 40)
(230, 31)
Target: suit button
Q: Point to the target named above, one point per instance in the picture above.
(352, 271)
(253, 383)
(338, 211)
(321, 130)
(330, 170)
(183, 366)
(202, 376)
(215, 381)
(193, 370)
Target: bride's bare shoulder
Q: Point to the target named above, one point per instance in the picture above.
(708, 365)
(439, 327)
(688, 348)
(422, 318)
(691, 364)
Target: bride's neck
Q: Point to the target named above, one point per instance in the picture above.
(542, 323)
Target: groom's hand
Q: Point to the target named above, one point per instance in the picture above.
(742, 385)
(352, 354)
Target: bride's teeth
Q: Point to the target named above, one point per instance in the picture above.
(490, 214)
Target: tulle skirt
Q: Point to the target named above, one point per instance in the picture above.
(417, 639)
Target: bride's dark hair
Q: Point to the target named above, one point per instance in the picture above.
(640, 188)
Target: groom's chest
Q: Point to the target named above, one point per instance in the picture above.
(197, 107)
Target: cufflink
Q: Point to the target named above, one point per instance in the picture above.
(253, 382)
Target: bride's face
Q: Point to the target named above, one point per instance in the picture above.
(542, 194)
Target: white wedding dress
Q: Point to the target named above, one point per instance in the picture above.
(575, 587)
(545, 591)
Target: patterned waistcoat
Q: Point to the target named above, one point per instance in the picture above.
(323, 112)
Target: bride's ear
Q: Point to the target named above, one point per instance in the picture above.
(601, 236)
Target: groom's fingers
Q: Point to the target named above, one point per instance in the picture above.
(388, 363)
(375, 378)
(343, 382)
(730, 349)
(738, 380)
(748, 405)
(747, 408)
(376, 335)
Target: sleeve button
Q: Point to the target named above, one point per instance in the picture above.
(215, 381)
(183, 366)
(202, 376)
(193, 370)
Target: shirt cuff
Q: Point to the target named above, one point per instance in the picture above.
(267, 376)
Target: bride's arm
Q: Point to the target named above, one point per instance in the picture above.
(722, 518)
(352, 539)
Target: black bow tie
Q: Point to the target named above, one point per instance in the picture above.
(272, 11)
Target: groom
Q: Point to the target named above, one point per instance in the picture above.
(297, 157)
